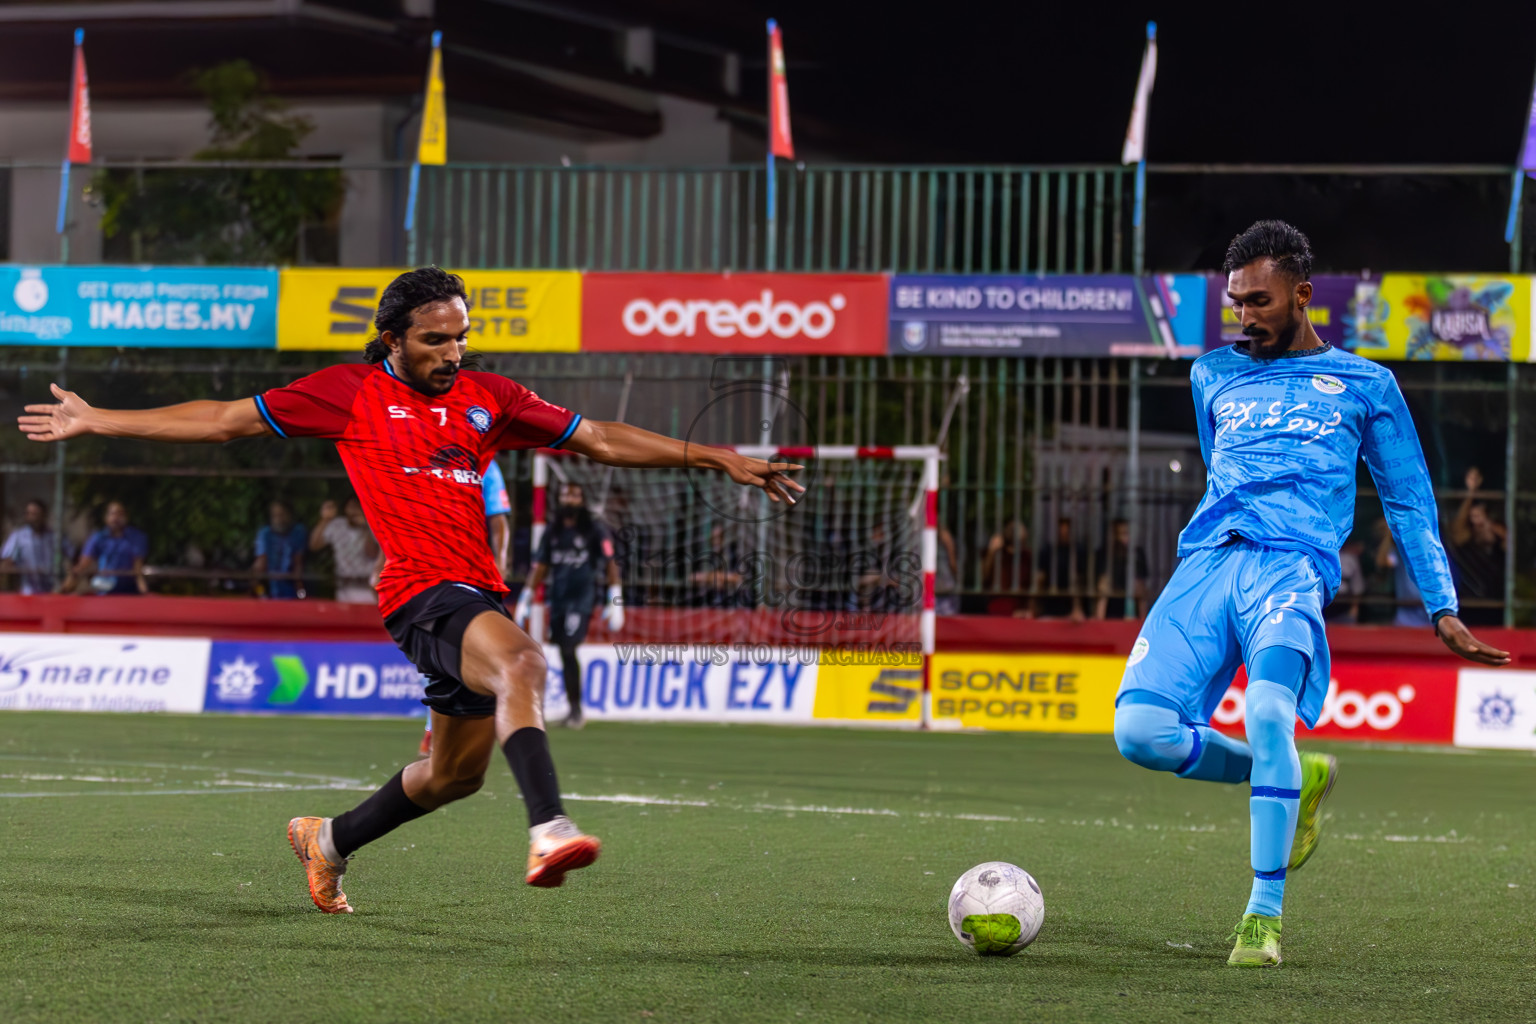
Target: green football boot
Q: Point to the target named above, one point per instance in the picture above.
(1258, 942)
(1318, 774)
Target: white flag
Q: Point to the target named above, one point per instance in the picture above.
(1135, 149)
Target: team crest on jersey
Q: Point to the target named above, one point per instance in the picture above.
(1139, 652)
(479, 418)
(1327, 385)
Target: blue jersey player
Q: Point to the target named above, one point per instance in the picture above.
(1283, 419)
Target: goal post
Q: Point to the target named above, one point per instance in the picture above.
(704, 560)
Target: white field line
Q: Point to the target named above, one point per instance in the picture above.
(255, 780)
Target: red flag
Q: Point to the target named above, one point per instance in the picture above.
(79, 108)
(779, 141)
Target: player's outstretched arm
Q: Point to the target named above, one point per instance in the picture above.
(72, 416)
(619, 444)
(1459, 638)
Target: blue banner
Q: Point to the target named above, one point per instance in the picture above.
(139, 307)
(312, 678)
(1063, 315)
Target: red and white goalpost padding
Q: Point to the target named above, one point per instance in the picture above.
(924, 509)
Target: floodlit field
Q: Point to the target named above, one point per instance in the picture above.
(748, 874)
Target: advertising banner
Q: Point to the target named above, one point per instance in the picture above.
(886, 692)
(1065, 315)
(1444, 316)
(1496, 708)
(1331, 311)
(1027, 692)
(687, 683)
(258, 676)
(786, 314)
(1368, 701)
(509, 310)
(139, 307)
(71, 672)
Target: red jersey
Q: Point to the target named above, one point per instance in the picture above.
(415, 461)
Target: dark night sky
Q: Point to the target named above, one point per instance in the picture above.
(1258, 82)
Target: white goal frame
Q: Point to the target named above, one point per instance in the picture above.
(928, 455)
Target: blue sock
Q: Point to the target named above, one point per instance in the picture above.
(1150, 731)
(1275, 802)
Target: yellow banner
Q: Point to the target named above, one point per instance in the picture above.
(1027, 692)
(1447, 317)
(432, 147)
(887, 692)
(509, 310)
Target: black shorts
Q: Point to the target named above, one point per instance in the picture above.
(429, 629)
(568, 622)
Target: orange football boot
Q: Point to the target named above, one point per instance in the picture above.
(324, 876)
(559, 847)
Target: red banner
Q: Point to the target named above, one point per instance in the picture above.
(779, 140)
(1403, 703)
(79, 111)
(787, 314)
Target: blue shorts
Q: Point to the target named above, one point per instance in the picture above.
(1223, 606)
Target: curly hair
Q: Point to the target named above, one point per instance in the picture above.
(407, 293)
(1275, 240)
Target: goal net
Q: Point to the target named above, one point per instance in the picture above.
(706, 561)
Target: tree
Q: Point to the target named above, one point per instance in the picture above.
(221, 215)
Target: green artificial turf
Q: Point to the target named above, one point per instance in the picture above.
(800, 875)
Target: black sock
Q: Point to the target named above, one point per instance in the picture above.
(570, 669)
(383, 812)
(527, 752)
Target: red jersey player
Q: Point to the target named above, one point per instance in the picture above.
(415, 431)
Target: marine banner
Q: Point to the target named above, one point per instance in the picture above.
(1457, 317)
(71, 672)
(509, 310)
(1496, 708)
(139, 307)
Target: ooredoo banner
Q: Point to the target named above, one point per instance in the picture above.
(509, 310)
(1496, 708)
(1402, 703)
(312, 678)
(70, 672)
(139, 307)
(789, 314)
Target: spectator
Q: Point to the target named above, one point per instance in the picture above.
(1112, 580)
(1378, 605)
(1061, 575)
(1410, 604)
(1005, 569)
(353, 547)
(716, 573)
(946, 581)
(1346, 603)
(113, 557)
(29, 551)
(280, 547)
(1477, 548)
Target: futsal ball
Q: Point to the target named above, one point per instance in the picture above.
(996, 908)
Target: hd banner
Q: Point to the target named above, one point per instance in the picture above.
(509, 310)
(312, 678)
(139, 307)
(748, 314)
(1064, 315)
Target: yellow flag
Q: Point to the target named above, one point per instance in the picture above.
(433, 145)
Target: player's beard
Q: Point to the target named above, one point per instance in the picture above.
(578, 516)
(1275, 346)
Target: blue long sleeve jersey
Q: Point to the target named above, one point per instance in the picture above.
(1280, 438)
